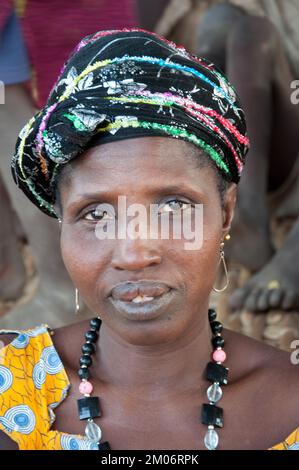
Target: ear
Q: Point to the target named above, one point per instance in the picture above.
(229, 203)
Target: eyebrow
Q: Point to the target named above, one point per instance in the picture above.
(106, 196)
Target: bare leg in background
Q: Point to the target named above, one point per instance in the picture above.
(54, 302)
(255, 62)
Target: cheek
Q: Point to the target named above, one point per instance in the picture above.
(202, 264)
(84, 257)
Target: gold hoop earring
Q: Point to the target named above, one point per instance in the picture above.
(224, 266)
(77, 302)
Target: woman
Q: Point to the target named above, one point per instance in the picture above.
(133, 115)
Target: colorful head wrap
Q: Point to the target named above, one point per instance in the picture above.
(122, 84)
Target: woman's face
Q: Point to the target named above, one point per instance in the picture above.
(162, 174)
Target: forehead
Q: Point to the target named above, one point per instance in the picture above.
(136, 164)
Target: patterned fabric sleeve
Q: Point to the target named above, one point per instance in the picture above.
(32, 383)
(290, 443)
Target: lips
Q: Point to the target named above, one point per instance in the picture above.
(140, 291)
(142, 300)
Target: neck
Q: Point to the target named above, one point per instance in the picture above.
(178, 365)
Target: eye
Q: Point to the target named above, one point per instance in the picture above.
(97, 215)
(174, 205)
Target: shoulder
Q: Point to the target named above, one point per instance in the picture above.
(254, 356)
(271, 381)
(281, 378)
(33, 382)
(17, 344)
(264, 363)
(7, 338)
(25, 358)
(68, 341)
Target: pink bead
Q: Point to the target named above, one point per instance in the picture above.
(85, 388)
(219, 355)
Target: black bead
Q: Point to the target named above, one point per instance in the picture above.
(218, 342)
(104, 446)
(212, 314)
(217, 373)
(84, 373)
(88, 348)
(212, 415)
(89, 407)
(216, 327)
(91, 336)
(85, 360)
(95, 323)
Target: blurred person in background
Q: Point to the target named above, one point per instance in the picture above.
(18, 275)
(35, 39)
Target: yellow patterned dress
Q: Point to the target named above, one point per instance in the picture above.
(33, 382)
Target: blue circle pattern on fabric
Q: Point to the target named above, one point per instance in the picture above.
(39, 374)
(6, 379)
(69, 442)
(21, 341)
(19, 418)
(294, 446)
(53, 364)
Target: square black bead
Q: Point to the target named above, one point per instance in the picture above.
(89, 407)
(104, 446)
(211, 414)
(217, 373)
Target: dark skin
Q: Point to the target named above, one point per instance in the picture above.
(149, 374)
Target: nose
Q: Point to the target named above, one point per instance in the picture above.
(135, 254)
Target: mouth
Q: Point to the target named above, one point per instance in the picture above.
(141, 300)
(139, 291)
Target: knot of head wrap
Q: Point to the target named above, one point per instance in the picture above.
(122, 84)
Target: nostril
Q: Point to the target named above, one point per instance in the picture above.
(134, 258)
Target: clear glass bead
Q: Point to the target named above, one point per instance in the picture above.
(211, 439)
(93, 432)
(214, 392)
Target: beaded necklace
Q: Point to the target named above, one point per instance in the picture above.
(211, 415)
